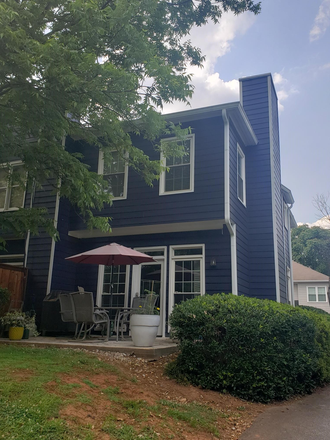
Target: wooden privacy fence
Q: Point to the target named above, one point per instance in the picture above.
(14, 278)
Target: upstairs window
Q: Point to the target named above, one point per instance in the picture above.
(12, 193)
(180, 175)
(316, 294)
(241, 194)
(116, 173)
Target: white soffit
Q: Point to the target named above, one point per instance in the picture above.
(164, 228)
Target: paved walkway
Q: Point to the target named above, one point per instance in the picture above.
(307, 418)
(161, 347)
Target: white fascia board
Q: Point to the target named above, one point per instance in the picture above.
(234, 110)
(312, 281)
(162, 228)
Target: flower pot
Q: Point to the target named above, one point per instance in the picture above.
(144, 329)
(26, 333)
(16, 333)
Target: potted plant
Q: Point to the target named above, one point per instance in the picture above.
(145, 322)
(30, 328)
(15, 321)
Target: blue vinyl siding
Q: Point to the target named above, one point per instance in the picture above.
(278, 198)
(239, 215)
(39, 252)
(144, 205)
(63, 277)
(258, 191)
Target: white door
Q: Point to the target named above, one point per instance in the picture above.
(150, 277)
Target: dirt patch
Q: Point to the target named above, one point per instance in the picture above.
(141, 396)
(21, 374)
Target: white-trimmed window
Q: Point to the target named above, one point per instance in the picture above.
(316, 294)
(241, 191)
(187, 272)
(180, 175)
(12, 193)
(116, 173)
(118, 277)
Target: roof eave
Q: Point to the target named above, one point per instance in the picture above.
(234, 110)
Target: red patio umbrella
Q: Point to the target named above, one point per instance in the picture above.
(112, 254)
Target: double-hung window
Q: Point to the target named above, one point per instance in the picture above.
(241, 191)
(113, 287)
(12, 191)
(180, 175)
(187, 272)
(115, 172)
(316, 294)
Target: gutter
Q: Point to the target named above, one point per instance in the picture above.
(231, 227)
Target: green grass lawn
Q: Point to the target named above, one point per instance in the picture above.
(37, 385)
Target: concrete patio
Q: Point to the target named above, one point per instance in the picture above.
(162, 346)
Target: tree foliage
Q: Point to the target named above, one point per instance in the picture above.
(311, 247)
(90, 69)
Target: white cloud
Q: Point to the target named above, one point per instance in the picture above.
(214, 41)
(284, 89)
(325, 66)
(321, 21)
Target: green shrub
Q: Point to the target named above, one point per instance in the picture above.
(254, 349)
(314, 309)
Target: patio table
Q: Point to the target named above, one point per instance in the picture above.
(118, 310)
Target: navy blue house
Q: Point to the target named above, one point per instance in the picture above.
(218, 221)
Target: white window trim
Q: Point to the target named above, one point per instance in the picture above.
(162, 191)
(101, 169)
(317, 294)
(174, 258)
(8, 192)
(136, 288)
(242, 155)
(100, 279)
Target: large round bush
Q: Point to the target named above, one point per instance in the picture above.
(255, 349)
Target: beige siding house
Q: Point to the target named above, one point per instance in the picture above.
(310, 287)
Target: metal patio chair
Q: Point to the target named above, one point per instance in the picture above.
(67, 310)
(88, 316)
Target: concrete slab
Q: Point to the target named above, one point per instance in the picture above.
(306, 418)
(162, 347)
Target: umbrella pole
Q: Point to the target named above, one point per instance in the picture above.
(111, 286)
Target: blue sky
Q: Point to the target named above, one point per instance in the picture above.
(290, 39)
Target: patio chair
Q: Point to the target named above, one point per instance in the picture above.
(67, 310)
(88, 316)
(139, 304)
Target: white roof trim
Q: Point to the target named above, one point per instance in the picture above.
(234, 110)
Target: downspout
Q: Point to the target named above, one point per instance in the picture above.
(52, 249)
(290, 255)
(28, 235)
(231, 227)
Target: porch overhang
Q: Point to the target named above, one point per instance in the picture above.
(163, 228)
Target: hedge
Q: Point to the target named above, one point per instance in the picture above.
(255, 349)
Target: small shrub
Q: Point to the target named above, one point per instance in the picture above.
(254, 349)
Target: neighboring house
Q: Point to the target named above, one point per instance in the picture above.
(218, 221)
(311, 288)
